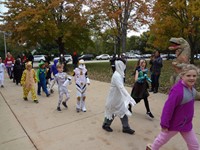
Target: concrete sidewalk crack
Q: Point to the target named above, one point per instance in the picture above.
(19, 122)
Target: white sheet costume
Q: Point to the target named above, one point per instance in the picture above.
(2, 72)
(81, 80)
(63, 80)
(118, 97)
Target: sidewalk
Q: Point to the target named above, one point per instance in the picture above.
(29, 126)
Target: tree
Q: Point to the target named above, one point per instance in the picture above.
(175, 18)
(121, 16)
(49, 21)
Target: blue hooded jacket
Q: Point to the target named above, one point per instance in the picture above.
(53, 67)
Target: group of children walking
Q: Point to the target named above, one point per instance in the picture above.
(176, 116)
(62, 79)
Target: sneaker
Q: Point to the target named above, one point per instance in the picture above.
(58, 109)
(39, 94)
(78, 110)
(36, 101)
(64, 104)
(25, 98)
(148, 147)
(83, 109)
(150, 115)
(107, 128)
(48, 95)
(128, 130)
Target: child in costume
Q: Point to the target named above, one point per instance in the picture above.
(48, 77)
(81, 80)
(2, 71)
(41, 77)
(118, 100)
(17, 70)
(63, 80)
(178, 111)
(28, 81)
(140, 88)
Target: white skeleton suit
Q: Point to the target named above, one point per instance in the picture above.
(81, 80)
(63, 81)
(2, 70)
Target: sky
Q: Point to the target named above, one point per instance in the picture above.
(2, 8)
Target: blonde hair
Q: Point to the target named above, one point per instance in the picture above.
(189, 67)
(58, 65)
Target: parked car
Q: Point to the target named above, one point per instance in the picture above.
(86, 57)
(103, 57)
(197, 56)
(171, 56)
(68, 58)
(39, 58)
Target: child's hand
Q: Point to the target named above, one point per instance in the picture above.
(164, 129)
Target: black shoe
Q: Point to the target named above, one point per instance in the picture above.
(150, 115)
(64, 104)
(107, 128)
(51, 91)
(128, 130)
(25, 98)
(155, 91)
(2, 86)
(58, 109)
(36, 101)
(151, 90)
(48, 95)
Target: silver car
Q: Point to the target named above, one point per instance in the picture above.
(39, 58)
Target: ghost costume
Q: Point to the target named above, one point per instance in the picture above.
(81, 80)
(118, 99)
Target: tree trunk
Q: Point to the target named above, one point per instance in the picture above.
(61, 45)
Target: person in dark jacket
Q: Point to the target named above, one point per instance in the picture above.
(156, 65)
(17, 71)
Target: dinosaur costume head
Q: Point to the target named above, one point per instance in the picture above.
(181, 45)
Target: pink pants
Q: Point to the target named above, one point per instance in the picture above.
(189, 137)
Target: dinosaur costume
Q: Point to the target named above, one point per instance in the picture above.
(183, 53)
(28, 81)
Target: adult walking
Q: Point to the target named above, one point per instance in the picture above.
(9, 63)
(156, 65)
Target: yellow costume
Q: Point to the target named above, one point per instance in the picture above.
(28, 81)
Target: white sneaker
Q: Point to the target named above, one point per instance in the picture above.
(83, 108)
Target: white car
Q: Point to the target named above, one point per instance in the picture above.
(68, 58)
(39, 58)
(103, 57)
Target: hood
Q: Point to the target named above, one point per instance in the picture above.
(120, 67)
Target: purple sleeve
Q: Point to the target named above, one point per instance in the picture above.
(174, 99)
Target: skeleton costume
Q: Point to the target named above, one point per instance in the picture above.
(63, 80)
(2, 71)
(81, 79)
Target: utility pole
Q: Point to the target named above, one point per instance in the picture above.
(5, 47)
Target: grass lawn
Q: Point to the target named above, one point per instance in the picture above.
(103, 72)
